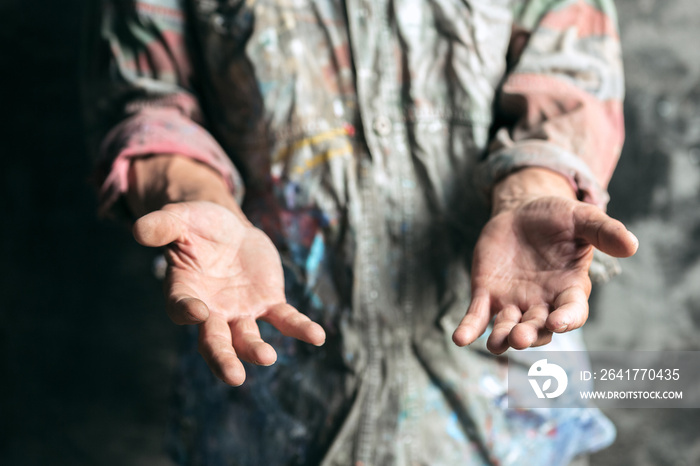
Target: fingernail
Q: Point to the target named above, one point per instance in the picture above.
(635, 240)
(563, 328)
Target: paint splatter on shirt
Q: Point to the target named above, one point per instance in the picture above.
(363, 137)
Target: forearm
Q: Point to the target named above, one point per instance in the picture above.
(162, 179)
(560, 106)
(529, 184)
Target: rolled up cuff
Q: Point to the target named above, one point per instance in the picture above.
(541, 154)
(157, 131)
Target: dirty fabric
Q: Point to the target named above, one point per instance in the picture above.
(363, 136)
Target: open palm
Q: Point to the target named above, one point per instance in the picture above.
(530, 271)
(223, 274)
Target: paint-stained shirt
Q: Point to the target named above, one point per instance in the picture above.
(363, 136)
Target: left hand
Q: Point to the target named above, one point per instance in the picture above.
(530, 271)
(223, 273)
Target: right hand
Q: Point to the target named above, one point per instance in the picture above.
(223, 274)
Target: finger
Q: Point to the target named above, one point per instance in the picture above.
(531, 329)
(544, 337)
(248, 343)
(157, 229)
(474, 323)
(605, 233)
(216, 349)
(504, 322)
(183, 306)
(293, 323)
(571, 310)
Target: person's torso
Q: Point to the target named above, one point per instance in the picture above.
(357, 126)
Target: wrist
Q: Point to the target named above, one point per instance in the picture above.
(528, 184)
(161, 179)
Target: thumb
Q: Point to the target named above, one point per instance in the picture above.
(157, 229)
(603, 232)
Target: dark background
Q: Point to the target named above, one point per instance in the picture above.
(86, 349)
(87, 352)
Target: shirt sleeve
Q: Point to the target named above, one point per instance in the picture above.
(560, 105)
(139, 97)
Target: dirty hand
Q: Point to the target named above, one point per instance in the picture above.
(530, 268)
(223, 274)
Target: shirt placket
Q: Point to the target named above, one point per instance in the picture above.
(361, 19)
(379, 95)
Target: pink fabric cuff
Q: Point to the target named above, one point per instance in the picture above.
(542, 154)
(158, 131)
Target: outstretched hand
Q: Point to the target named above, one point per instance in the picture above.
(223, 274)
(530, 271)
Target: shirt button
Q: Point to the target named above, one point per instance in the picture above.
(219, 22)
(382, 125)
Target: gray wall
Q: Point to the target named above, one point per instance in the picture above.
(87, 352)
(655, 303)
